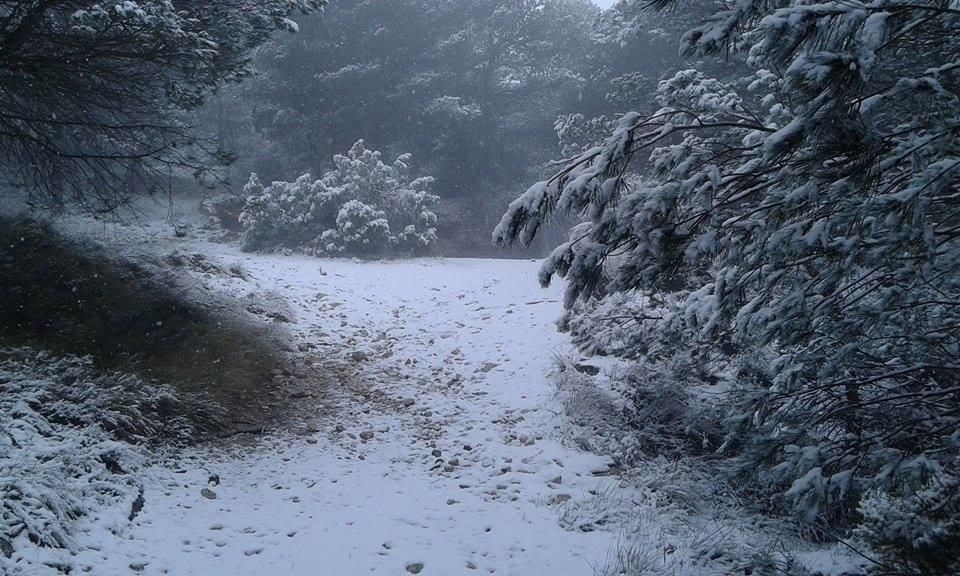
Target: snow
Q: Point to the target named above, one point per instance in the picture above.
(456, 352)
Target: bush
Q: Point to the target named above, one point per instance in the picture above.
(644, 411)
(916, 530)
(223, 214)
(71, 442)
(362, 208)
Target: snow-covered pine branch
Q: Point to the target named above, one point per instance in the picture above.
(93, 93)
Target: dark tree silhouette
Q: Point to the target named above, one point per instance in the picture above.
(92, 94)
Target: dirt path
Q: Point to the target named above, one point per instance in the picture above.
(435, 449)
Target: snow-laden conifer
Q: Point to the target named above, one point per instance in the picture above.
(362, 207)
(808, 213)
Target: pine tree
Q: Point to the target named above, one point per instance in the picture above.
(92, 93)
(810, 213)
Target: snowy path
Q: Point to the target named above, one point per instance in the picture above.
(443, 362)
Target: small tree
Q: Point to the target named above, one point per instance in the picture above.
(363, 207)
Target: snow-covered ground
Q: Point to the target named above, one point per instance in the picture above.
(421, 434)
(425, 437)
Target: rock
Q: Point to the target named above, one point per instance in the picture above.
(279, 317)
(366, 434)
(209, 494)
(487, 366)
(359, 356)
(135, 509)
(138, 566)
(299, 393)
(407, 402)
(454, 462)
(557, 480)
(6, 548)
(436, 453)
(213, 480)
(415, 568)
(587, 369)
(467, 447)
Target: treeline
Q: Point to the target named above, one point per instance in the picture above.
(472, 90)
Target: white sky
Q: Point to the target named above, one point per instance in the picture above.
(604, 3)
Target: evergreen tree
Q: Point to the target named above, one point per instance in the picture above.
(807, 214)
(91, 93)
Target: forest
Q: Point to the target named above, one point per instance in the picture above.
(558, 287)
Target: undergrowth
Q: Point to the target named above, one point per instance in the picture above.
(72, 442)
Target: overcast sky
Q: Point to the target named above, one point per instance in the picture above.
(604, 3)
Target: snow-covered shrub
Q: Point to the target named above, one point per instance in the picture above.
(359, 227)
(915, 528)
(71, 442)
(640, 411)
(363, 207)
(670, 411)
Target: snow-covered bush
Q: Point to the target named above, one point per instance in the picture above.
(807, 214)
(71, 442)
(916, 529)
(363, 207)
